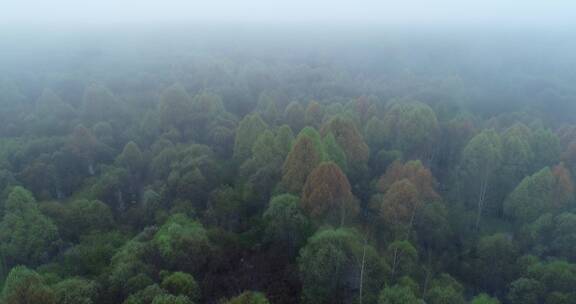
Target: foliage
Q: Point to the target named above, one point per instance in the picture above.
(397, 295)
(249, 297)
(25, 286)
(283, 170)
(411, 127)
(286, 225)
(330, 265)
(544, 191)
(299, 163)
(182, 242)
(180, 283)
(76, 291)
(26, 235)
(327, 194)
(249, 128)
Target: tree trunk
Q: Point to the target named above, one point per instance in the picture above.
(362, 270)
(481, 201)
(394, 262)
(342, 216)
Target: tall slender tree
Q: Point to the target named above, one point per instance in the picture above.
(480, 160)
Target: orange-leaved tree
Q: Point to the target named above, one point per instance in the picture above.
(327, 194)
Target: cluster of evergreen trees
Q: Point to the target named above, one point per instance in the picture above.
(235, 183)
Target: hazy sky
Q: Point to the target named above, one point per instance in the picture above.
(494, 13)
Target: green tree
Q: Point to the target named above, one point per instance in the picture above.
(100, 104)
(249, 128)
(146, 295)
(403, 257)
(129, 270)
(76, 291)
(525, 291)
(227, 207)
(183, 242)
(25, 286)
(336, 266)
(497, 254)
(484, 299)
(350, 140)
(84, 216)
(545, 147)
(294, 116)
(286, 225)
(267, 107)
(171, 299)
(91, 256)
(52, 115)
(249, 297)
(398, 295)
(181, 284)
(264, 150)
(455, 134)
(263, 170)
(411, 127)
(554, 275)
(480, 160)
(433, 227)
(25, 234)
(206, 108)
(334, 152)
(373, 132)
(283, 141)
(517, 157)
(445, 290)
(175, 108)
(86, 147)
(532, 197)
(132, 159)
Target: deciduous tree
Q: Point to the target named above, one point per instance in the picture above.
(327, 194)
(330, 268)
(301, 160)
(249, 129)
(411, 127)
(480, 160)
(350, 140)
(175, 108)
(26, 235)
(25, 286)
(544, 191)
(286, 225)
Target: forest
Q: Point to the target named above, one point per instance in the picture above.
(328, 167)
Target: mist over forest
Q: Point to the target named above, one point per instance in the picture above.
(337, 164)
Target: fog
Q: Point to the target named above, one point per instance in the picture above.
(488, 13)
(313, 152)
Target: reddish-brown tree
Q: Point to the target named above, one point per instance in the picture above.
(569, 156)
(327, 194)
(400, 203)
(301, 160)
(413, 171)
(563, 186)
(314, 114)
(362, 107)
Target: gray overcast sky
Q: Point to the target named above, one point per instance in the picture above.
(495, 13)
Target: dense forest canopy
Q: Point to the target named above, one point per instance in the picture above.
(159, 166)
